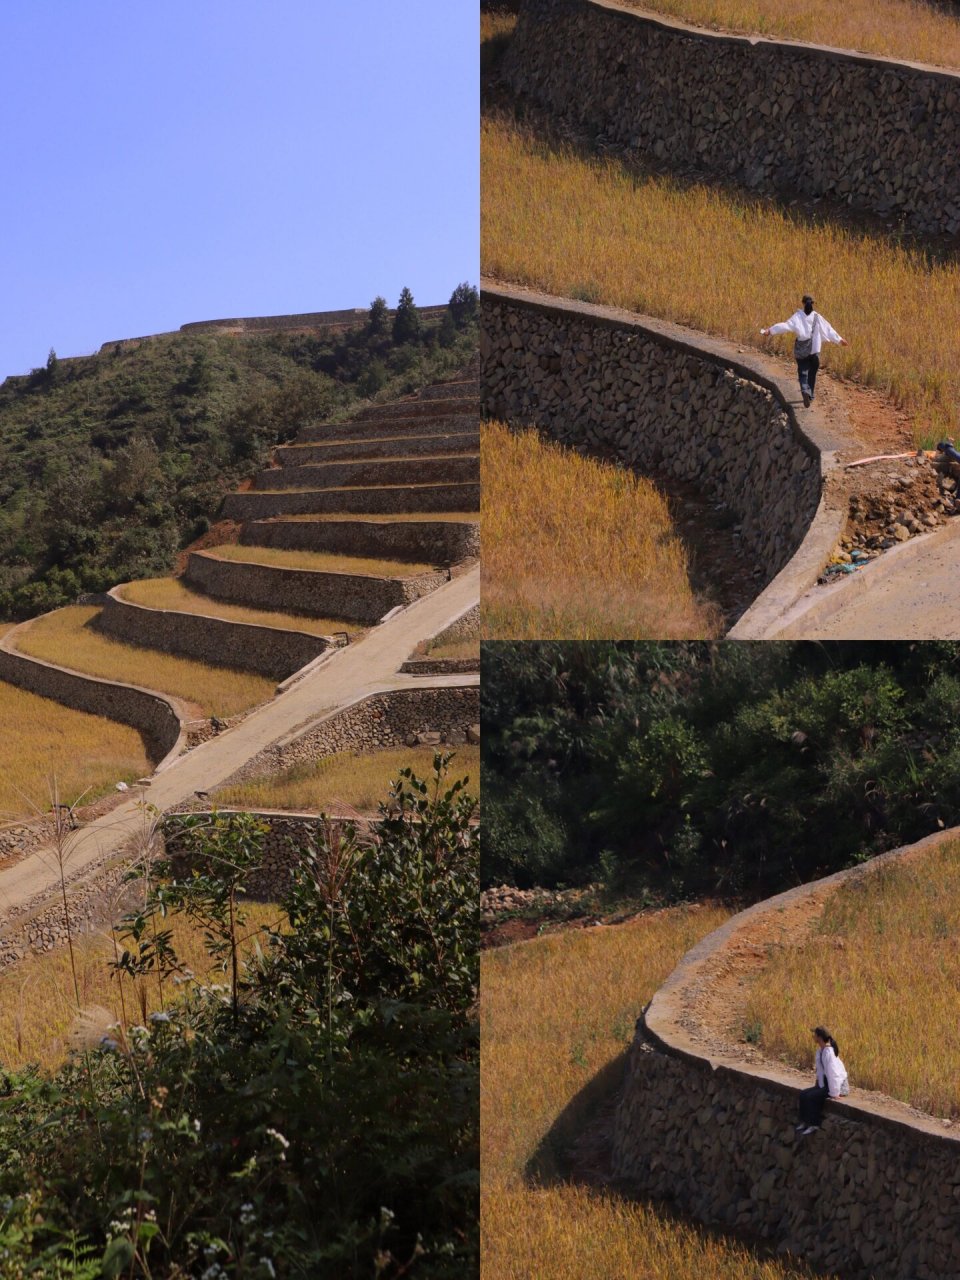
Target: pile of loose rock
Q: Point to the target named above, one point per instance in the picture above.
(894, 505)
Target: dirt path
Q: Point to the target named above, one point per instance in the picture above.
(366, 667)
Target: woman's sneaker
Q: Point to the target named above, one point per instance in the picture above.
(806, 398)
(811, 1128)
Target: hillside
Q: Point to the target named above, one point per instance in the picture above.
(110, 463)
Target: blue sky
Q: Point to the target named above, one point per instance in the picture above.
(193, 159)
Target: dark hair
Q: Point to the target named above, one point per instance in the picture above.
(823, 1034)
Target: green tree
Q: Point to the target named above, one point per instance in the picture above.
(406, 322)
(464, 304)
(377, 316)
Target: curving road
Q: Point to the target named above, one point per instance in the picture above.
(356, 671)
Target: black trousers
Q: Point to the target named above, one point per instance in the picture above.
(811, 1103)
(807, 371)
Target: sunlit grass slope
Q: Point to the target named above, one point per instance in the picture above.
(881, 972)
(594, 229)
(347, 779)
(63, 637)
(171, 593)
(554, 1013)
(320, 561)
(42, 741)
(38, 1010)
(917, 32)
(578, 549)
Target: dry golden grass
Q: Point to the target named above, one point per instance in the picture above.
(348, 780)
(916, 32)
(881, 972)
(453, 648)
(44, 740)
(171, 593)
(63, 637)
(38, 1012)
(578, 549)
(595, 229)
(320, 561)
(554, 1013)
(405, 517)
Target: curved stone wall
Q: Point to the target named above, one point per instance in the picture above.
(779, 117)
(640, 389)
(392, 426)
(443, 542)
(149, 713)
(393, 718)
(874, 1193)
(268, 651)
(387, 500)
(358, 597)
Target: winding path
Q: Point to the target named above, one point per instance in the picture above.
(367, 667)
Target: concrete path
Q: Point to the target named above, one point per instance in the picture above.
(360, 669)
(909, 593)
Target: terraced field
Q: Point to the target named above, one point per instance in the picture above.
(172, 593)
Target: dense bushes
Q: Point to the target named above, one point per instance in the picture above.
(319, 1119)
(110, 463)
(731, 768)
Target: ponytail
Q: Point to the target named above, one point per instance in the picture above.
(823, 1034)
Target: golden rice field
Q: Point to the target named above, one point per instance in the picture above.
(39, 1021)
(595, 229)
(578, 549)
(453, 649)
(908, 29)
(171, 593)
(554, 1013)
(321, 561)
(43, 741)
(64, 638)
(881, 971)
(348, 780)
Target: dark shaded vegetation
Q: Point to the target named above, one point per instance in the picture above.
(111, 463)
(316, 1117)
(730, 768)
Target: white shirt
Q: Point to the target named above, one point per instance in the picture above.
(808, 326)
(832, 1071)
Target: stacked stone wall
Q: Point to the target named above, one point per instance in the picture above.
(316, 594)
(150, 714)
(267, 651)
(419, 410)
(442, 542)
(779, 117)
(659, 405)
(393, 447)
(387, 500)
(456, 470)
(395, 718)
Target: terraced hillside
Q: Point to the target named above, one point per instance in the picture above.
(322, 547)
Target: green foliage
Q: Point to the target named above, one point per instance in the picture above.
(378, 316)
(324, 1124)
(407, 325)
(109, 464)
(732, 768)
(464, 304)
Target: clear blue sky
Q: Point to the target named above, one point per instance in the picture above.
(191, 159)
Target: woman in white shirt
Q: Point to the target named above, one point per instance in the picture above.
(811, 330)
(831, 1082)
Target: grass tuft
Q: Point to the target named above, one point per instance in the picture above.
(578, 226)
(347, 780)
(63, 637)
(881, 972)
(578, 549)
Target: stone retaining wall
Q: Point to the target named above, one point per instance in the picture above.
(420, 410)
(389, 428)
(149, 713)
(398, 717)
(386, 500)
(779, 117)
(453, 470)
(358, 597)
(268, 651)
(661, 405)
(876, 1192)
(451, 390)
(428, 541)
(439, 666)
(466, 627)
(393, 447)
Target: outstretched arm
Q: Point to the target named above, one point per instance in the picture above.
(785, 326)
(829, 333)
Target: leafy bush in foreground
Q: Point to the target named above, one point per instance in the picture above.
(316, 1118)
